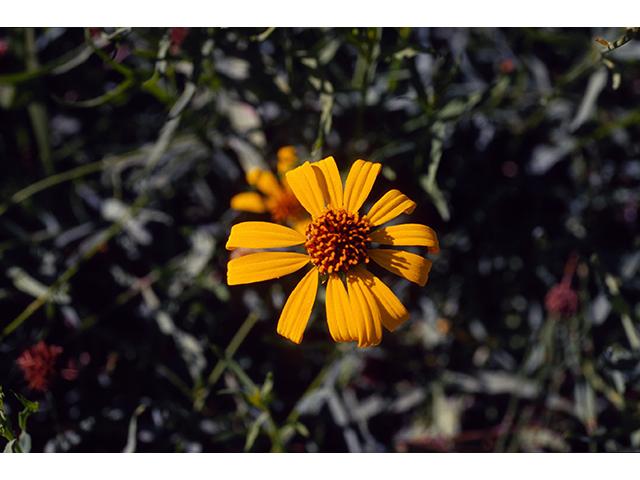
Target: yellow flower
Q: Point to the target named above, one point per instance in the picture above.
(287, 159)
(338, 246)
(275, 196)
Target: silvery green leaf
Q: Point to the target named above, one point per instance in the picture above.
(29, 285)
(132, 433)
(11, 446)
(254, 430)
(24, 440)
(545, 156)
(597, 82)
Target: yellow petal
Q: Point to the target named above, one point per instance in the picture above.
(263, 235)
(249, 202)
(359, 184)
(392, 204)
(366, 312)
(339, 314)
(261, 266)
(285, 184)
(407, 234)
(265, 181)
(405, 264)
(287, 159)
(304, 184)
(392, 311)
(329, 180)
(296, 312)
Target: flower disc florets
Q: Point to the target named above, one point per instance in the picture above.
(338, 240)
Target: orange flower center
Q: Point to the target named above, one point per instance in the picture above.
(284, 206)
(338, 240)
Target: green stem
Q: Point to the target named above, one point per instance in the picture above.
(315, 383)
(36, 109)
(231, 349)
(234, 344)
(53, 180)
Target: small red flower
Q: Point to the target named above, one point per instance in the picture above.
(4, 48)
(507, 65)
(38, 364)
(177, 36)
(561, 300)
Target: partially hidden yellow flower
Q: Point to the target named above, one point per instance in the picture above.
(338, 244)
(274, 196)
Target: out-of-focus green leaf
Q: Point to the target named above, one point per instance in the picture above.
(132, 433)
(11, 446)
(29, 285)
(631, 331)
(254, 430)
(597, 82)
(264, 35)
(428, 182)
(458, 106)
(24, 440)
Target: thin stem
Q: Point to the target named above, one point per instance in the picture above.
(36, 109)
(315, 383)
(52, 180)
(234, 344)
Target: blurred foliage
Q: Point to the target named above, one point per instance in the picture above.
(121, 149)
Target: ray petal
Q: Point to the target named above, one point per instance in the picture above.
(407, 234)
(339, 313)
(392, 204)
(359, 184)
(265, 181)
(329, 180)
(249, 202)
(297, 310)
(287, 158)
(405, 264)
(257, 267)
(304, 184)
(366, 312)
(393, 313)
(263, 235)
